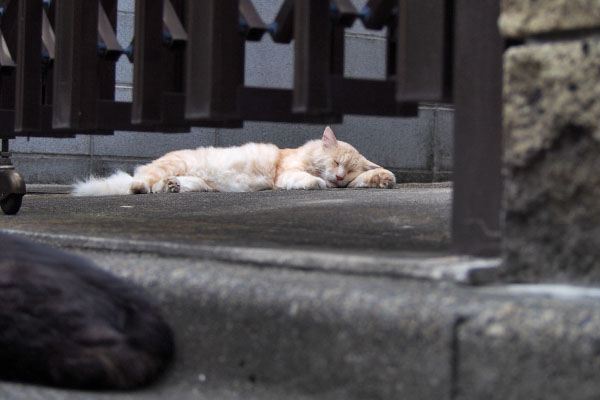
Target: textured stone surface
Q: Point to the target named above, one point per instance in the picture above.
(289, 334)
(355, 330)
(552, 159)
(284, 329)
(253, 333)
(529, 17)
(531, 343)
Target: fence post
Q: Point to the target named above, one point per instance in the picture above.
(214, 60)
(147, 62)
(29, 64)
(312, 57)
(76, 65)
(478, 51)
(423, 51)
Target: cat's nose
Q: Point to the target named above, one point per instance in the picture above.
(339, 177)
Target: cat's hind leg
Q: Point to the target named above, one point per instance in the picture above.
(177, 184)
(143, 185)
(139, 187)
(146, 183)
(148, 180)
(151, 178)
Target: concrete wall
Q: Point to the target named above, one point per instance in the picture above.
(416, 148)
(552, 140)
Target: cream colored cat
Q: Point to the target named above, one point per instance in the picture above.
(318, 164)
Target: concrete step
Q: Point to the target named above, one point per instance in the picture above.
(266, 306)
(248, 332)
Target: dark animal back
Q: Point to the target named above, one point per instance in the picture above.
(64, 322)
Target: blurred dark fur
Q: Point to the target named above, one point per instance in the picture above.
(64, 322)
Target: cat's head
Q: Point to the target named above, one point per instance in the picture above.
(338, 162)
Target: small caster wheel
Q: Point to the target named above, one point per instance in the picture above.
(11, 204)
(12, 190)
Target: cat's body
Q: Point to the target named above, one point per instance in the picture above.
(318, 164)
(64, 322)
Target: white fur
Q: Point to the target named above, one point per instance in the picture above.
(317, 164)
(116, 184)
(300, 180)
(180, 184)
(234, 169)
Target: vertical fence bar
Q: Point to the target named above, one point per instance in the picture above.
(478, 127)
(173, 100)
(49, 55)
(337, 50)
(9, 25)
(214, 60)
(76, 65)
(423, 50)
(173, 55)
(6, 60)
(147, 62)
(390, 56)
(312, 57)
(29, 64)
(106, 68)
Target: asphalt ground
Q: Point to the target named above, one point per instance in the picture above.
(407, 219)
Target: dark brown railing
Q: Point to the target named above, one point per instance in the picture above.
(438, 51)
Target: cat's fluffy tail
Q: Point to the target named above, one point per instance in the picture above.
(118, 183)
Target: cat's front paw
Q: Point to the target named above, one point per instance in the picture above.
(377, 178)
(172, 184)
(384, 179)
(312, 183)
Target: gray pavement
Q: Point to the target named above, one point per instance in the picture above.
(411, 218)
(340, 294)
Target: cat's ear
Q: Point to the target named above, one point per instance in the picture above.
(371, 165)
(329, 140)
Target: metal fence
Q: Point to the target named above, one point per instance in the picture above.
(57, 64)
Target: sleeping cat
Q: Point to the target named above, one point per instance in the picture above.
(64, 322)
(318, 164)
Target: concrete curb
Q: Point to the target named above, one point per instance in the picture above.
(455, 268)
(269, 333)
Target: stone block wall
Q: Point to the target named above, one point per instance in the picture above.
(417, 149)
(552, 140)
